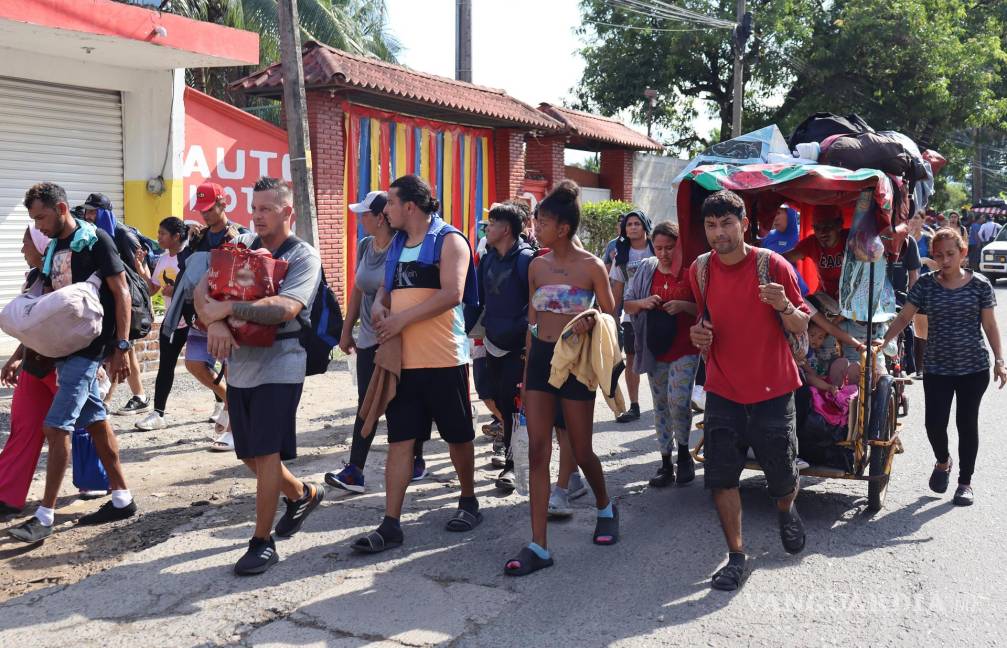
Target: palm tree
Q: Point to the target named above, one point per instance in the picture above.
(357, 26)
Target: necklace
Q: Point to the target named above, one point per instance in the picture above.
(379, 250)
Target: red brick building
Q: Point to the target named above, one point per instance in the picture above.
(372, 121)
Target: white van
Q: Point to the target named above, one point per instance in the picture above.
(993, 262)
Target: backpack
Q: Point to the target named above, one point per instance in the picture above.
(141, 314)
(798, 342)
(820, 126)
(321, 329)
(150, 247)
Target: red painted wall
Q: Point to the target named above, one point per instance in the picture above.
(228, 146)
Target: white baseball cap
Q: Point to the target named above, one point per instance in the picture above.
(372, 202)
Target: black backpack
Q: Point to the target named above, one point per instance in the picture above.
(819, 126)
(141, 314)
(322, 327)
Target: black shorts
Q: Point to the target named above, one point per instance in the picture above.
(768, 428)
(264, 419)
(480, 376)
(427, 396)
(503, 374)
(539, 367)
(628, 338)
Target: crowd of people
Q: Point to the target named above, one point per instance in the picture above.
(554, 323)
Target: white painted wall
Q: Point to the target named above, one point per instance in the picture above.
(652, 190)
(594, 194)
(148, 118)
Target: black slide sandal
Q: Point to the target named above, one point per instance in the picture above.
(728, 578)
(607, 528)
(464, 521)
(373, 543)
(528, 562)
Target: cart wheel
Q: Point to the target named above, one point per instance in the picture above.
(881, 428)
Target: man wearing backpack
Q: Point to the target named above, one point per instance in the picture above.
(750, 400)
(503, 290)
(77, 251)
(265, 383)
(98, 210)
(429, 275)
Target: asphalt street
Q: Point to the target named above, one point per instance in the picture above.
(921, 572)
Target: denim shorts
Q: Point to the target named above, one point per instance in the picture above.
(196, 349)
(77, 403)
(768, 428)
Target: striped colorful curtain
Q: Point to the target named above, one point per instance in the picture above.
(457, 162)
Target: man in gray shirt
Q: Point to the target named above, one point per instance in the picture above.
(264, 383)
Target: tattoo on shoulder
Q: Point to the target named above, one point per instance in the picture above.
(269, 314)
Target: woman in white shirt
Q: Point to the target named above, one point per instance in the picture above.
(171, 236)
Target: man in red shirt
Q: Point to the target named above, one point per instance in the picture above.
(826, 247)
(750, 399)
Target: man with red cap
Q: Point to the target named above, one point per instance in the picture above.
(212, 203)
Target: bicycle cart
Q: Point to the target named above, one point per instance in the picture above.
(865, 198)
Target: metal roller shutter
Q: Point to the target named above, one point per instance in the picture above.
(70, 136)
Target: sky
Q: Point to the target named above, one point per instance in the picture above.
(526, 47)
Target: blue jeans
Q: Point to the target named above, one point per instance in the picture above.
(77, 402)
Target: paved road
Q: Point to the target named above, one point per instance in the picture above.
(921, 572)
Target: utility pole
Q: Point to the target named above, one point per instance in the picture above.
(463, 40)
(651, 95)
(978, 190)
(296, 108)
(741, 33)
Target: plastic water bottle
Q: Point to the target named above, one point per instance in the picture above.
(351, 367)
(519, 453)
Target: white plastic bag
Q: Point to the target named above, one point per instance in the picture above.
(519, 453)
(57, 324)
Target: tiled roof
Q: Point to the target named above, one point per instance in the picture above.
(600, 129)
(327, 67)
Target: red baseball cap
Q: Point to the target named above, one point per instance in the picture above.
(207, 195)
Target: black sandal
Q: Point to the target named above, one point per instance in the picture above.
(607, 528)
(527, 562)
(728, 578)
(374, 542)
(464, 521)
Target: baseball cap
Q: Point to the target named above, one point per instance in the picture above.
(372, 202)
(207, 195)
(97, 201)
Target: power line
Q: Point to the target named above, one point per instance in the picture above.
(653, 29)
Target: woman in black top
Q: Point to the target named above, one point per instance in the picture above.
(958, 304)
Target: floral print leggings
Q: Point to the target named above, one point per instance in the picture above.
(671, 385)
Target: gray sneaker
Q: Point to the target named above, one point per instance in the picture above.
(559, 504)
(577, 486)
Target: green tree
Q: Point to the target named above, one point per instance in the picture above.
(932, 69)
(686, 63)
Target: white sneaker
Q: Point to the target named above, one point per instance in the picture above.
(559, 504)
(577, 487)
(218, 408)
(699, 398)
(152, 421)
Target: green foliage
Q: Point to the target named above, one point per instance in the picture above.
(954, 197)
(627, 52)
(157, 302)
(932, 69)
(599, 223)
